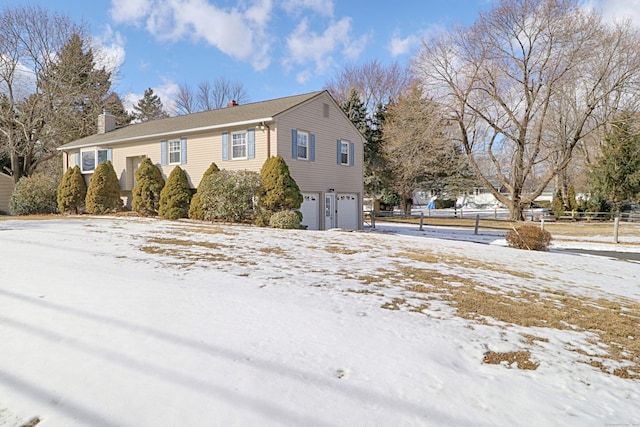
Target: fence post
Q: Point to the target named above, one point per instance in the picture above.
(421, 220)
(616, 226)
(373, 219)
(475, 230)
(495, 213)
(541, 222)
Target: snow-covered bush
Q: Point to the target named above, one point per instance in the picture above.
(529, 237)
(35, 194)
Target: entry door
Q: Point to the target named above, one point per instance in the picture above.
(329, 211)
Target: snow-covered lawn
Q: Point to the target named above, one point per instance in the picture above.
(141, 322)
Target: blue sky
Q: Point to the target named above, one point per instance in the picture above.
(273, 47)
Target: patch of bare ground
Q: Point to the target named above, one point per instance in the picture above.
(520, 358)
(612, 324)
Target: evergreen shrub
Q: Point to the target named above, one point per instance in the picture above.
(72, 191)
(278, 191)
(196, 211)
(103, 194)
(146, 192)
(35, 194)
(175, 196)
(529, 237)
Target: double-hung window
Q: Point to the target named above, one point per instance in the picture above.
(174, 152)
(344, 152)
(238, 145)
(303, 145)
(90, 159)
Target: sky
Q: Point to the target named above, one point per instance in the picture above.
(274, 48)
(121, 321)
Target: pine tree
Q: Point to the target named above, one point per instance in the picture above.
(572, 203)
(72, 191)
(616, 175)
(557, 205)
(103, 194)
(146, 192)
(175, 196)
(279, 191)
(149, 107)
(196, 211)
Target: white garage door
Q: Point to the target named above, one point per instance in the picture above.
(310, 209)
(347, 206)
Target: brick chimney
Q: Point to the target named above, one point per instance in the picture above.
(106, 122)
(232, 103)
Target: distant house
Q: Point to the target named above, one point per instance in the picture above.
(6, 189)
(323, 149)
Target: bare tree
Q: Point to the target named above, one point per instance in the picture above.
(31, 39)
(377, 84)
(185, 100)
(418, 148)
(527, 83)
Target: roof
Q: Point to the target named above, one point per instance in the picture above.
(224, 117)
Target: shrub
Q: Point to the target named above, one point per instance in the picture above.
(72, 191)
(103, 194)
(196, 211)
(35, 194)
(175, 196)
(529, 237)
(285, 219)
(228, 195)
(557, 205)
(444, 203)
(279, 191)
(146, 192)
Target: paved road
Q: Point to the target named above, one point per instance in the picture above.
(628, 256)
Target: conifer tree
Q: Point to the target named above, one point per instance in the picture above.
(279, 191)
(72, 191)
(557, 206)
(149, 107)
(175, 196)
(572, 203)
(196, 211)
(146, 192)
(103, 194)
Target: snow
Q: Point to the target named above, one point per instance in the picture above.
(110, 321)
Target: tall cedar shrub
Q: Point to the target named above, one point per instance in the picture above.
(103, 194)
(175, 196)
(529, 237)
(72, 191)
(279, 191)
(229, 195)
(34, 194)
(196, 211)
(557, 206)
(146, 192)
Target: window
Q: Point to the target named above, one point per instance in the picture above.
(174, 152)
(90, 159)
(238, 145)
(303, 145)
(344, 152)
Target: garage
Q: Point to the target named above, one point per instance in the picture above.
(310, 209)
(348, 211)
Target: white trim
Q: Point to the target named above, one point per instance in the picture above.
(164, 134)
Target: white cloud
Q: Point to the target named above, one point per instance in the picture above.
(109, 50)
(401, 46)
(615, 10)
(240, 32)
(306, 47)
(296, 7)
(167, 92)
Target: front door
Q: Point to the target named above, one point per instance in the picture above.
(329, 211)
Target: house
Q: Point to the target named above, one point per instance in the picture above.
(323, 149)
(6, 189)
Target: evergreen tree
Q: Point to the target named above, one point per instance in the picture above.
(149, 107)
(356, 111)
(175, 196)
(146, 192)
(557, 206)
(196, 211)
(103, 194)
(72, 191)
(616, 175)
(279, 191)
(572, 203)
